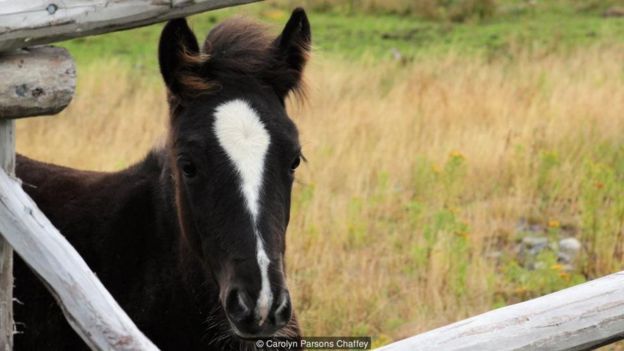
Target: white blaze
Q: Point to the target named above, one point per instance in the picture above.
(246, 141)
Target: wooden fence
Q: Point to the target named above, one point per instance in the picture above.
(582, 317)
(41, 81)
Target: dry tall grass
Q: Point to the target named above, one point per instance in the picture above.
(415, 173)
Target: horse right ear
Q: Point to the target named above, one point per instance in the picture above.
(178, 45)
(293, 48)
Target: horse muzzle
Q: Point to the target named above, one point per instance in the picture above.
(251, 320)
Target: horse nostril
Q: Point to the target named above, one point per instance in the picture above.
(283, 311)
(237, 306)
(242, 313)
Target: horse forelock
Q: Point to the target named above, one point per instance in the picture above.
(238, 48)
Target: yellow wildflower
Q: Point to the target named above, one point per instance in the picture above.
(456, 154)
(565, 275)
(554, 224)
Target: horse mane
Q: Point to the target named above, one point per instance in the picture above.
(238, 48)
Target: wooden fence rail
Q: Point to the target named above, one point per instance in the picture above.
(36, 81)
(87, 305)
(578, 318)
(33, 22)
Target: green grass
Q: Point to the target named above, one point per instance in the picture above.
(357, 34)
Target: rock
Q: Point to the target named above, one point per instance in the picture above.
(533, 245)
(569, 250)
(529, 249)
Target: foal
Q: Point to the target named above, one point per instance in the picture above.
(190, 241)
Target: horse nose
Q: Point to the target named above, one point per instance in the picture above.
(248, 323)
(282, 311)
(238, 306)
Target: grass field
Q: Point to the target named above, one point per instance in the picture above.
(406, 216)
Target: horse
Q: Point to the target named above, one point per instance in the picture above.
(190, 241)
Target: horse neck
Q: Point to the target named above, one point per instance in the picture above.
(163, 221)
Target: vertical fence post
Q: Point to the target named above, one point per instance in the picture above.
(7, 162)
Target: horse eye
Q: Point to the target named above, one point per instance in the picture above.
(188, 168)
(295, 163)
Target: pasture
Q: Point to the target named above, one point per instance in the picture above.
(434, 147)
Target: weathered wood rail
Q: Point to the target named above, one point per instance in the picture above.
(582, 317)
(34, 22)
(87, 305)
(41, 81)
(33, 82)
(37, 81)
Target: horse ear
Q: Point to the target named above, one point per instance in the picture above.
(177, 42)
(293, 48)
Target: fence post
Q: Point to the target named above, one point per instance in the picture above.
(38, 81)
(7, 163)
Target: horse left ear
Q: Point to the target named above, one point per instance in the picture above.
(292, 50)
(177, 45)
